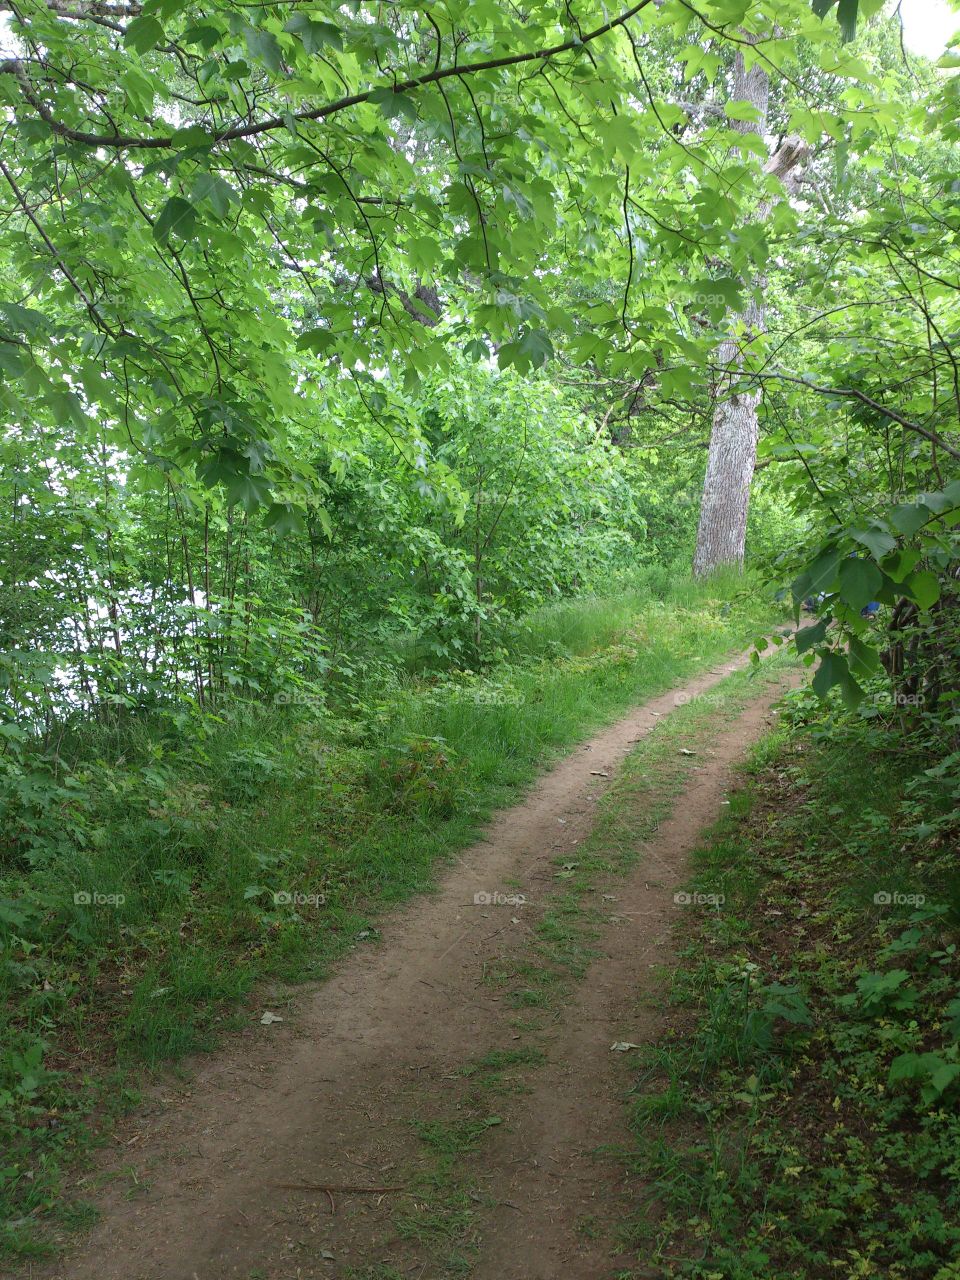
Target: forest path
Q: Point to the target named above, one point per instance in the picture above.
(244, 1171)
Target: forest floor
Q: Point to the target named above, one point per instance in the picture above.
(449, 1103)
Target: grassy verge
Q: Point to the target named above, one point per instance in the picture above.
(536, 981)
(167, 867)
(802, 1120)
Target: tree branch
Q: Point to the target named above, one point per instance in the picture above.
(123, 142)
(853, 394)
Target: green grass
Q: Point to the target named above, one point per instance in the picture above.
(537, 981)
(642, 797)
(774, 1132)
(198, 825)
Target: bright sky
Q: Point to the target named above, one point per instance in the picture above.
(928, 25)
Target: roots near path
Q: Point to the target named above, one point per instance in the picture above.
(471, 1117)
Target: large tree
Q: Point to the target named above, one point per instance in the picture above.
(722, 530)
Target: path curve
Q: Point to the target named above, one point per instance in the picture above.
(319, 1098)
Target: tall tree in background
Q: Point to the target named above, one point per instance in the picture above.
(722, 531)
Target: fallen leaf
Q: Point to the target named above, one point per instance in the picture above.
(269, 1017)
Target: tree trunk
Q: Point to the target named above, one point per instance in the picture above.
(722, 531)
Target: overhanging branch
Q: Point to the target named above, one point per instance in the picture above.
(852, 393)
(125, 142)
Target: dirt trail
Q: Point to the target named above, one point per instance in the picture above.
(577, 1106)
(330, 1103)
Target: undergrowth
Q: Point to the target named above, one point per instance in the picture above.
(156, 868)
(801, 1118)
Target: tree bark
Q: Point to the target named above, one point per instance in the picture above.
(722, 531)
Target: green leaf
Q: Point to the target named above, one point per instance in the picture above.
(532, 350)
(923, 587)
(828, 673)
(13, 361)
(897, 565)
(807, 637)
(250, 491)
(877, 539)
(205, 34)
(213, 188)
(192, 137)
(847, 18)
(284, 518)
(314, 35)
(944, 1076)
(860, 580)
(68, 407)
(177, 216)
(143, 34)
(821, 575)
(864, 659)
(394, 104)
(264, 47)
(165, 8)
(741, 110)
(846, 14)
(908, 517)
(476, 349)
(833, 670)
(317, 340)
(139, 88)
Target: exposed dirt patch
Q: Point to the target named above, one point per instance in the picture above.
(565, 1191)
(205, 1193)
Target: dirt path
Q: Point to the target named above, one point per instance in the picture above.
(330, 1104)
(577, 1105)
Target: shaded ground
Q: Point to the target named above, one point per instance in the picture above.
(404, 1064)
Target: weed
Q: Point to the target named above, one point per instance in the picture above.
(800, 1120)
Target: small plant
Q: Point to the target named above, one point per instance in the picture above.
(416, 776)
(807, 1123)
